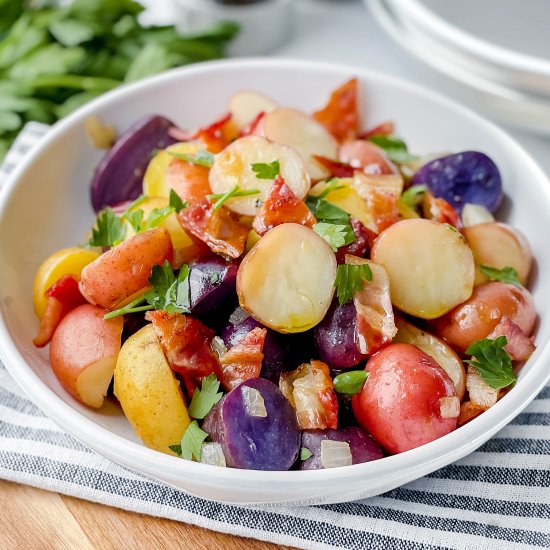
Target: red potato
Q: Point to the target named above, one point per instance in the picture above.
(481, 313)
(83, 353)
(400, 401)
(188, 180)
(366, 156)
(125, 269)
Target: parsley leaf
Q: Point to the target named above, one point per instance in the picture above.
(335, 235)
(505, 275)
(266, 171)
(202, 158)
(157, 216)
(305, 453)
(169, 294)
(324, 211)
(133, 307)
(492, 362)
(214, 277)
(350, 278)
(414, 195)
(135, 219)
(332, 185)
(191, 442)
(350, 382)
(176, 449)
(176, 203)
(204, 399)
(395, 148)
(220, 198)
(109, 231)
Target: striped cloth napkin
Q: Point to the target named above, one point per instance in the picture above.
(497, 498)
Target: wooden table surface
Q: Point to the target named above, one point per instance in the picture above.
(36, 519)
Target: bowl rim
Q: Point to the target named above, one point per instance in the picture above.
(144, 460)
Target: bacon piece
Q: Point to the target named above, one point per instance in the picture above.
(340, 116)
(441, 211)
(244, 360)
(468, 411)
(519, 346)
(310, 391)
(216, 228)
(337, 169)
(375, 323)
(282, 206)
(186, 342)
(216, 137)
(63, 296)
(364, 239)
(384, 129)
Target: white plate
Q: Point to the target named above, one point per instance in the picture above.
(521, 109)
(45, 206)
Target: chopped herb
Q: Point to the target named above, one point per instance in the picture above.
(133, 307)
(156, 217)
(266, 171)
(154, 152)
(176, 449)
(505, 275)
(332, 185)
(135, 203)
(202, 158)
(214, 277)
(350, 278)
(395, 148)
(492, 362)
(414, 195)
(220, 198)
(110, 230)
(176, 203)
(335, 235)
(324, 211)
(135, 219)
(350, 382)
(204, 399)
(305, 453)
(191, 442)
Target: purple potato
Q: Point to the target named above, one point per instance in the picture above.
(362, 445)
(467, 177)
(253, 442)
(119, 176)
(278, 353)
(335, 336)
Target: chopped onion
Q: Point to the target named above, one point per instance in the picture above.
(473, 214)
(101, 135)
(238, 316)
(218, 346)
(481, 394)
(212, 453)
(335, 454)
(449, 406)
(253, 402)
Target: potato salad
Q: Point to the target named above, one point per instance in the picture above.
(280, 289)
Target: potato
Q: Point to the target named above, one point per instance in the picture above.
(286, 282)
(499, 245)
(83, 353)
(246, 106)
(443, 354)
(67, 261)
(365, 155)
(149, 393)
(431, 268)
(477, 317)
(125, 269)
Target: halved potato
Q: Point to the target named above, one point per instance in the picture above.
(246, 106)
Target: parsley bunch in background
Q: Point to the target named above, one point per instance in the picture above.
(55, 57)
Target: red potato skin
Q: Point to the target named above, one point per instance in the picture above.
(481, 313)
(399, 403)
(366, 156)
(125, 269)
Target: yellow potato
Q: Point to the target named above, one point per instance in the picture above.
(67, 261)
(149, 392)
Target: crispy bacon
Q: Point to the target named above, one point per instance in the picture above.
(310, 391)
(340, 116)
(337, 169)
(519, 345)
(186, 343)
(375, 324)
(282, 206)
(244, 360)
(384, 129)
(216, 228)
(468, 411)
(63, 296)
(216, 137)
(441, 211)
(364, 239)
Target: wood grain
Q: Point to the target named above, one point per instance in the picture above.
(32, 518)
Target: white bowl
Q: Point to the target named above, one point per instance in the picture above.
(45, 206)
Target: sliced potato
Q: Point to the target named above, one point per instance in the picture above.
(149, 393)
(431, 268)
(499, 245)
(287, 280)
(305, 135)
(443, 354)
(472, 214)
(246, 106)
(233, 166)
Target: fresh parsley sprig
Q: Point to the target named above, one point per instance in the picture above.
(176, 203)
(414, 195)
(202, 158)
(335, 235)
(191, 442)
(492, 362)
(394, 147)
(109, 230)
(350, 382)
(266, 171)
(204, 399)
(505, 275)
(305, 453)
(350, 278)
(221, 198)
